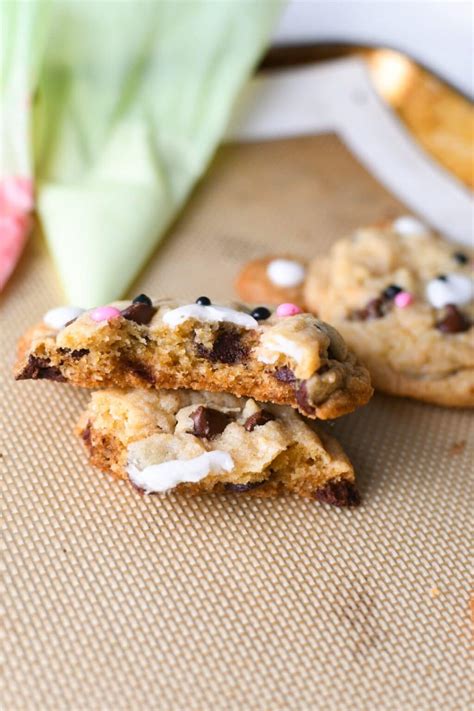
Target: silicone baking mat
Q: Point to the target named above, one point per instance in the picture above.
(118, 601)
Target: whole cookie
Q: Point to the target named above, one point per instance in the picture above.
(402, 298)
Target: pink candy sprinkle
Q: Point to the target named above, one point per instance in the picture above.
(288, 310)
(403, 299)
(104, 313)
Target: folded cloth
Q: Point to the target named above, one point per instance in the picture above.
(131, 99)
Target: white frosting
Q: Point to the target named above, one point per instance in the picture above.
(286, 272)
(458, 289)
(57, 318)
(209, 314)
(408, 226)
(280, 345)
(162, 477)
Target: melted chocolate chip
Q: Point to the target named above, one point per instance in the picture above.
(227, 348)
(242, 488)
(208, 423)
(139, 312)
(376, 308)
(453, 321)
(338, 493)
(284, 375)
(75, 354)
(258, 419)
(79, 353)
(303, 401)
(40, 369)
(142, 299)
(142, 370)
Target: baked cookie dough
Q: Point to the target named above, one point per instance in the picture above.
(186, 441)
(286, 357)
(402, 298)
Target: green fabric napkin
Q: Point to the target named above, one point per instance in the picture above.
(132, 99)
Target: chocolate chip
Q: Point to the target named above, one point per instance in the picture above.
(86, 435)
(76, 354)
(376, 308)
(227, 348)
(203, 301)
(303, 400)
(143, 299)
(284, 374)
(79, 353)
(139, 312)
(442, 277)
(391, 291)
(208, 423)
(258, 419)
(40, 369)
(242, 488)
(460, 257)
(453, 321)
(142, 370)
(261, 313)
(338, 493)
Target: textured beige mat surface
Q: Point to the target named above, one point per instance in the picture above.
(117, 601)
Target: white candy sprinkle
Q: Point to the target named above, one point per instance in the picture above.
(57, 318)
(456, 289)
(408, 226)
(286, 273)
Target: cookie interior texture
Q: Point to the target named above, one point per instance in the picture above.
(297, 361)
(404, 348)
(272, 448)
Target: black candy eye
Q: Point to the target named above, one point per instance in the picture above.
(142, 299)
(203, 301)
(391, 291)
(261, 313)
(460, 257)
(442, 277)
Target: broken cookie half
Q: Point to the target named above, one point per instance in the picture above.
(285, 357)
(199, 442)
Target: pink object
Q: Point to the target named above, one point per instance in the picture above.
(16, 194)
(104, 313)
(403, 299)
(288, 310)
(16, 202)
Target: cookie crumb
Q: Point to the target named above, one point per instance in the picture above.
(457, 447)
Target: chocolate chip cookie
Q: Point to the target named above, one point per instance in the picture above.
(284, 356)
(402, 298)
(186, 441)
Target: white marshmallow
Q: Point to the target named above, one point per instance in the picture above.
(208, 314)
(286, 273)
(158, 478)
